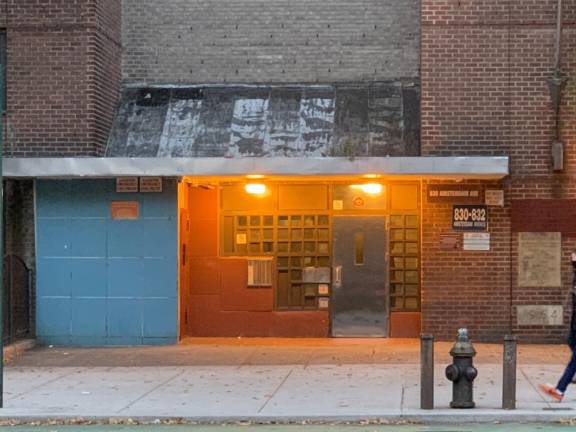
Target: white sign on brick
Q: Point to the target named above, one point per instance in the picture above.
(494, 197)
(476, 241)
(539, 256)
(540, 315)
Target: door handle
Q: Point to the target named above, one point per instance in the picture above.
(337, 276)
(183, 253)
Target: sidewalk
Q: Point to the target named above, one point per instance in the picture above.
(267, 380)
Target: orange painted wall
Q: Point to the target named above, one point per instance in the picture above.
(220, 303)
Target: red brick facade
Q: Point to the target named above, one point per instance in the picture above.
(484, 65)
(63, 75)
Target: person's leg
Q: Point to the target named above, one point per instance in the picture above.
(568, 374)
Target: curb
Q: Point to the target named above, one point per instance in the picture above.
(443, 418)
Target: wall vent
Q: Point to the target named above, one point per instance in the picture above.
(260, 272)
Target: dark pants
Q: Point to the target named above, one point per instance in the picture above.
(569, 372)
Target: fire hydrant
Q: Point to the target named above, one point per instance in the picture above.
(462, 372)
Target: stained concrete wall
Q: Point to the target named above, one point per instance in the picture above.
(376, 119)
(202, 41)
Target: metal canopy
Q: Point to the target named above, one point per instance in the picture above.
(489, 167)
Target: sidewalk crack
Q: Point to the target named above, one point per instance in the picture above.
(402, 395)
(59, 377)
(535, 388)
(163, 383)
(275, 391)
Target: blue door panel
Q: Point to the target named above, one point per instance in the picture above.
(53, 237)
(103, 281)
(55, 200)
(124, 277)
(124, 318)
(82, 195)
(147, 238)
(159, 317)
(88, 317)
(53, 316)
(89, 238)
(156, 275)
(54, 276)
(88, 277)
(157, 204)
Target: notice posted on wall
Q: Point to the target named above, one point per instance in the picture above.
(476, 241)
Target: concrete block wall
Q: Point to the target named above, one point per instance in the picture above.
(207, 41)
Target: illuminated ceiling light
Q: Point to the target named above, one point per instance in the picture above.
(369, 188)
(255, 188)
(254, 176)
(371, 176)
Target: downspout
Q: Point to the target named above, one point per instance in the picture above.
(556, 84)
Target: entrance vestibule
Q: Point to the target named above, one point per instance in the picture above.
(299, 258)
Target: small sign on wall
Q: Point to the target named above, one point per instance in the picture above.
(542, 315)
(135, 184)
(494, 197)
(476, 241)
(469, 218)
(126, 184)
(150, 184)
(125, 210)
(338, 204)
(454, 193)
(539, 259)
(450, 241)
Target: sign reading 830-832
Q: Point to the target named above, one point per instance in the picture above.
(469, 218)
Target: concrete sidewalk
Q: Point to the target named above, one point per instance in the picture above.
(305, 388)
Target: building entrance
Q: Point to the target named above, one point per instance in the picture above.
(306, 258)
(360, 294)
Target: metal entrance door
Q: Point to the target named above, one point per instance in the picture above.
(360, 294)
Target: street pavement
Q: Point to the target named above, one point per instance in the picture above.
(273, 381)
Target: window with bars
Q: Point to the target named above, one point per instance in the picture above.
(404, 263)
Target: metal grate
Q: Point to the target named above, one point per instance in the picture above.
(259, 272)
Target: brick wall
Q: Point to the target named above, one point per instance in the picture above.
(484, 64)
(465, 288)
(63, 74)
(263, 41)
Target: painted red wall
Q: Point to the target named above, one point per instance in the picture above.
(221, 303)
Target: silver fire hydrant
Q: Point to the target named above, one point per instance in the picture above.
(462, 372)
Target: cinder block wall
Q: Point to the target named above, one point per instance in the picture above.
(63, 75)
(252, 41)
(484, 64)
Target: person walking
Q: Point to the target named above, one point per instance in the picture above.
(568, 375)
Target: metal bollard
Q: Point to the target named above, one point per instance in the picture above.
(509, 373)
(426, 371)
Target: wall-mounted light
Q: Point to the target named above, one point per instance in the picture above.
(369, 188)
(255, 188)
